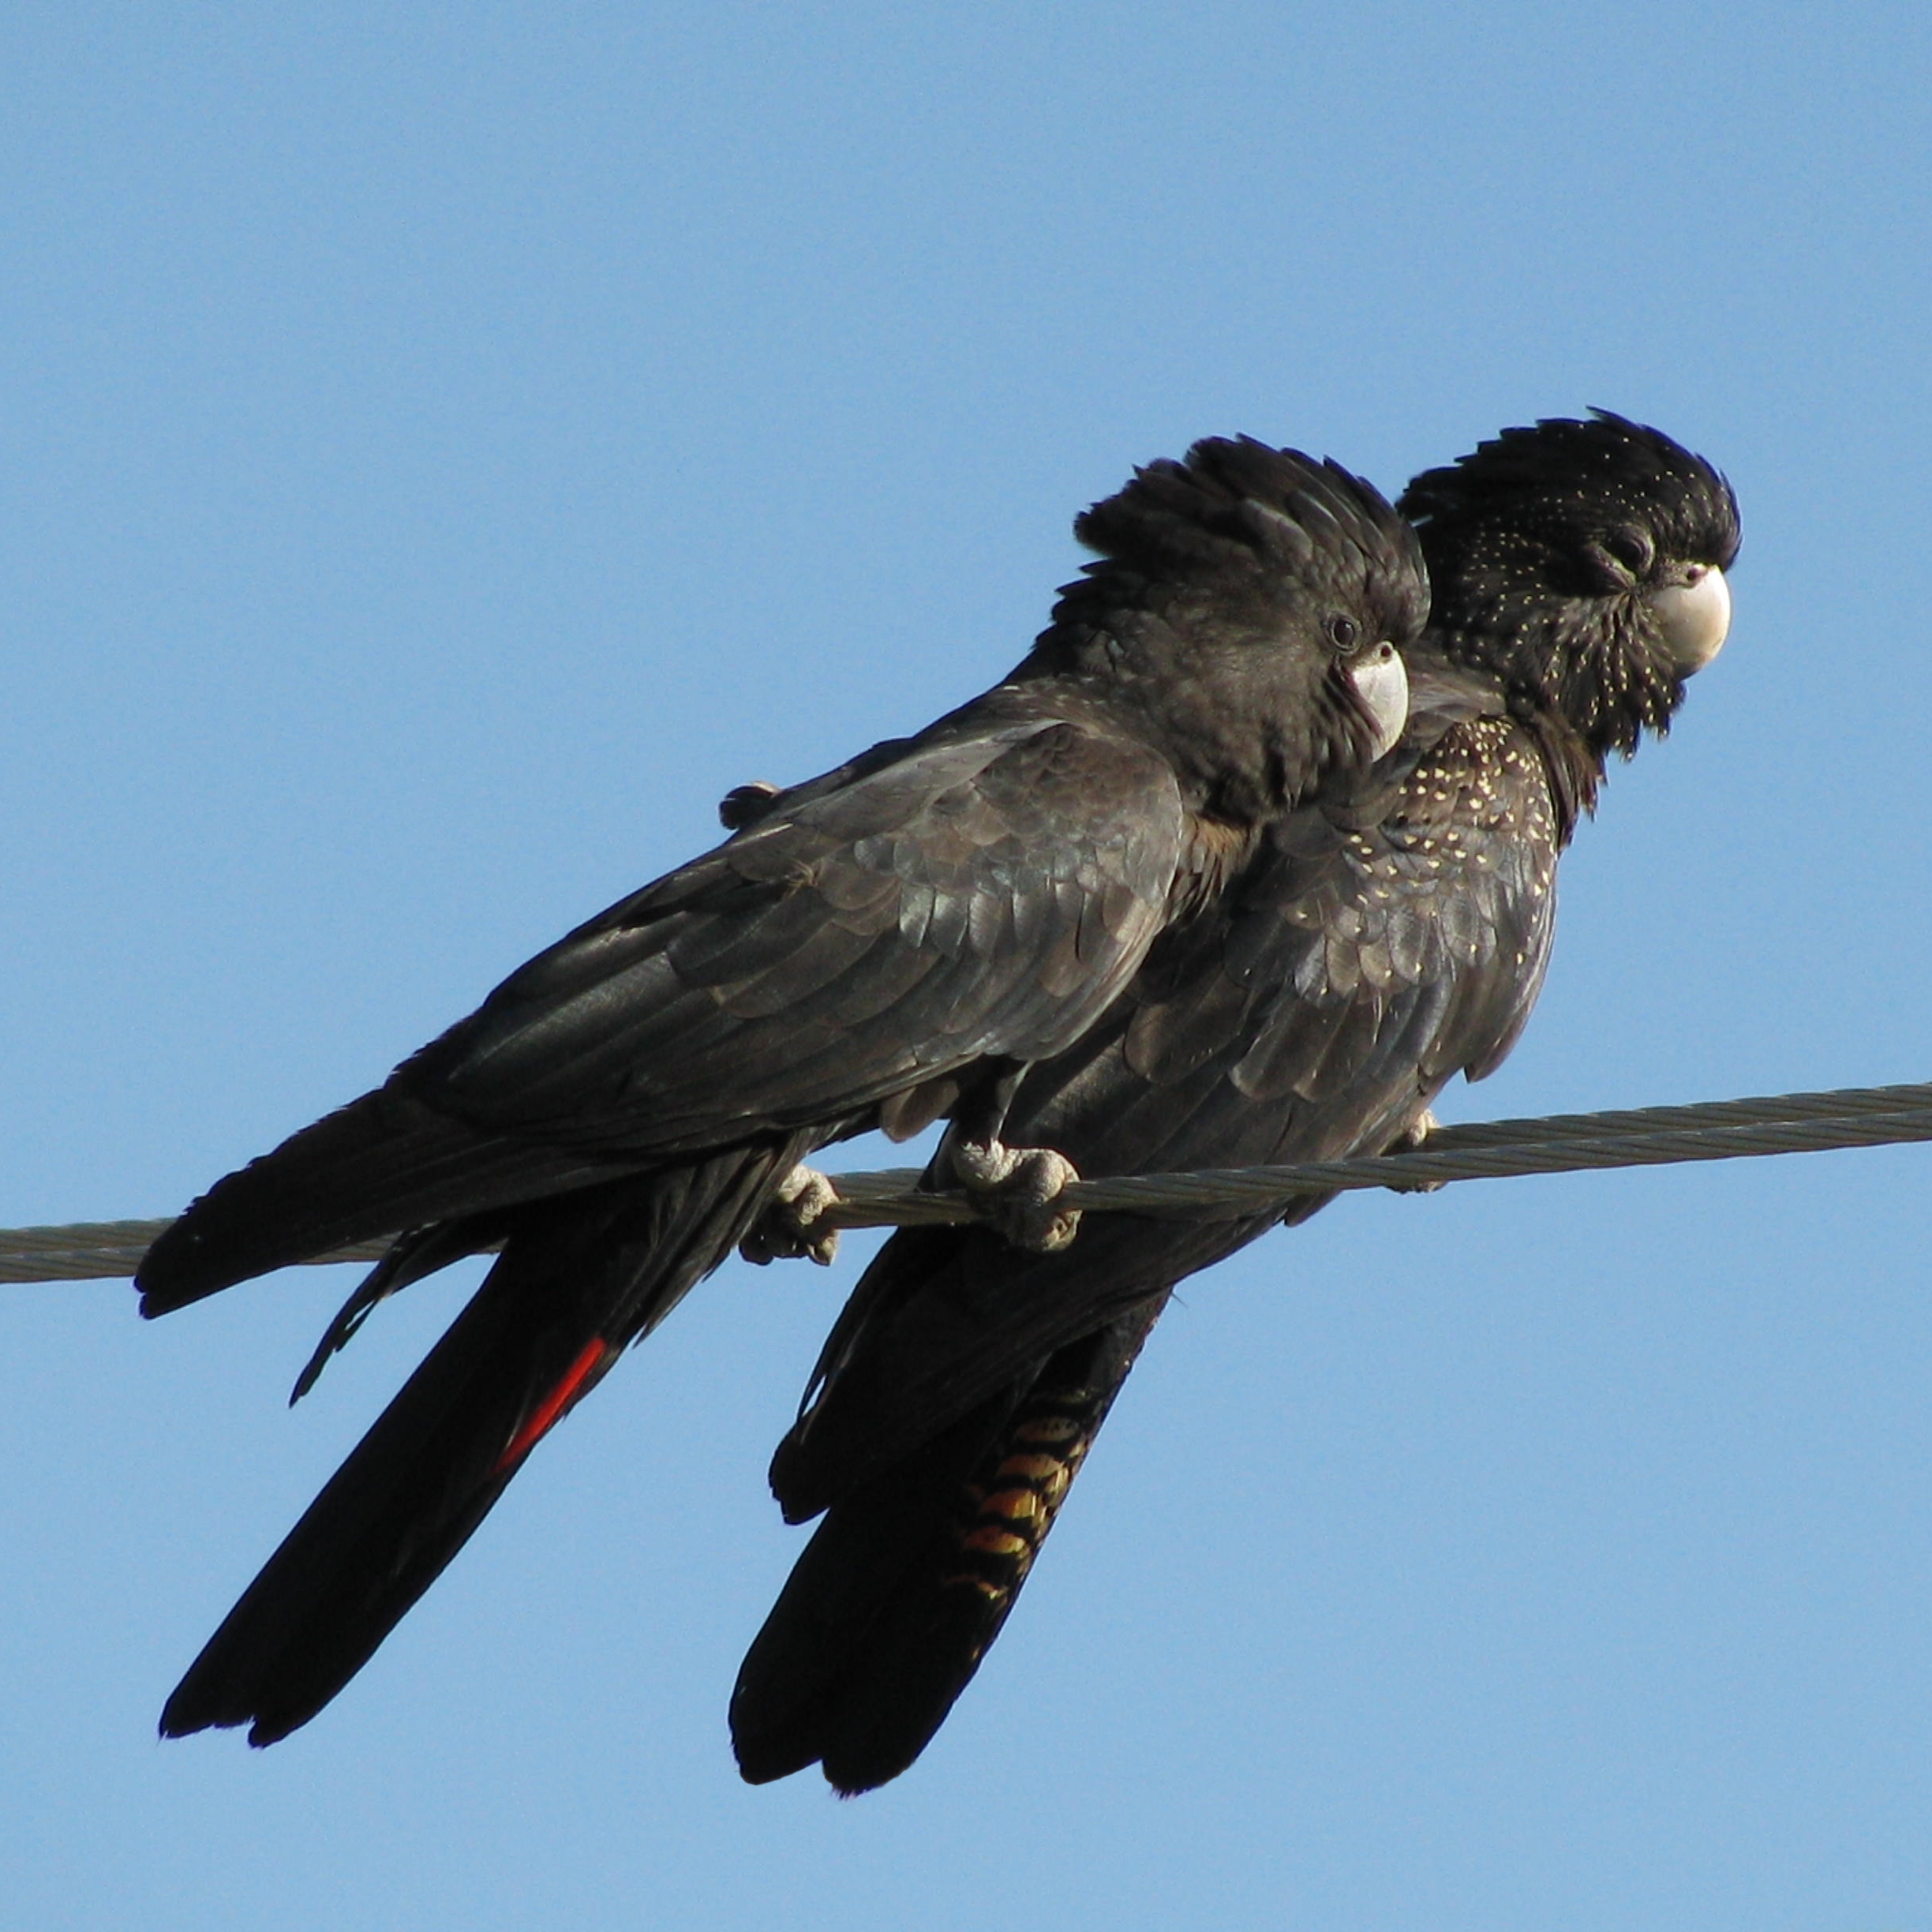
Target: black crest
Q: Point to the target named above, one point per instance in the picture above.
(1552, 538)
(1249, 523)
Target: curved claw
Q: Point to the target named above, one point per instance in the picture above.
(786, 1231)
(1015, 1188)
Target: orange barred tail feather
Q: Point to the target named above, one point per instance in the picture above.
(906, 1584)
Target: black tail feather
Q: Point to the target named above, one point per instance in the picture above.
(383, 1163)
(577, 1281)
(907, 1583)
(413, 1257)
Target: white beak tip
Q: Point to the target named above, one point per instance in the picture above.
(1695, 619)
(1381, 681)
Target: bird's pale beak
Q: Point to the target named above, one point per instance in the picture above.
(1694, 617)
(1381, 681)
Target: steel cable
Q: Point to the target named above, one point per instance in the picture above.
(1855, 1117)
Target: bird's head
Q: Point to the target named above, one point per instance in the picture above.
(1255, 602)
(1585, 563)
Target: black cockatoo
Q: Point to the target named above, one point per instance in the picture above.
(1384, 936)
(897, 940)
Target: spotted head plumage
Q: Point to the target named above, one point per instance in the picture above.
(1582, 562)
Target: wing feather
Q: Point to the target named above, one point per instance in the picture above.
(859, 940)
(1314, 1014)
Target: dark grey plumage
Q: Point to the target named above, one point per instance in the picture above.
(1384, 937)
(895, 940)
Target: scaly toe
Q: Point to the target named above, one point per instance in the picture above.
(786, 1230)
(1016, 1189)
(1411, 1140)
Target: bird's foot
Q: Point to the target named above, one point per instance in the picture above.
(746, 804)
(1411, 1139)
(1016, 1189)
(788, 1229)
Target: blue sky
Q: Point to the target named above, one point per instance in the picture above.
(446, 448)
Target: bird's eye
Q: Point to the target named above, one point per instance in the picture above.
(1632, 547)
(1343, 633)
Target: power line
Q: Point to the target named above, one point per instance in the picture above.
(1852, 1117)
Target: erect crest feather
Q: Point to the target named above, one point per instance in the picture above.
(1546, 541)
(1240, 509)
